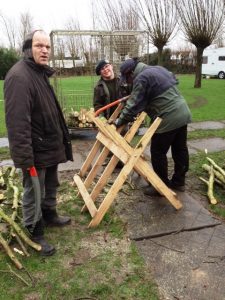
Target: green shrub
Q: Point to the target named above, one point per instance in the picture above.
(8, 57)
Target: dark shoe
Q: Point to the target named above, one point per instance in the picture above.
(37, 236)
(46, 249)
(151, 191)
(119, 165)
(177, 187)
(51, 218)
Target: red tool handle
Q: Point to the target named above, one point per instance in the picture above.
(37, 195)
(110, 105)
(33, 172)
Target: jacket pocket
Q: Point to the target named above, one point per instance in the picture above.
(47, 143)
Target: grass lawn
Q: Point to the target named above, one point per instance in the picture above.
(206, 103)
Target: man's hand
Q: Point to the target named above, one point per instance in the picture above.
(116, 122)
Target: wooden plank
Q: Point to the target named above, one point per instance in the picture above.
(135, 126)
(98, 163)
(115, 188)
(96, 146)
(85, 195)
(109, 130)
(119, 146)
(113, 117)
(116, 112)
(95, 168)
(143, 168)
(118, 140)
(144, 141)
(114, 149)
(104, 177)
(153, 178)
(90, 158)
(109, 169)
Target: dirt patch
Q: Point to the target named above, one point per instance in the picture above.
(199, 102)
(67, 175)
(32, 296)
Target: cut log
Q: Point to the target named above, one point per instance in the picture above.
(79, 119)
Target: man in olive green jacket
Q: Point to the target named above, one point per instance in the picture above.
(155, 92)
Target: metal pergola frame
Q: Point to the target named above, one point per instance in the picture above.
(100, 33)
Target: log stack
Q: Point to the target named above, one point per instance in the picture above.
(79, 119)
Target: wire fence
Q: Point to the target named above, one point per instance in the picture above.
(79, 56)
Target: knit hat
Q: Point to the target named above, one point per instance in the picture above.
(100, 65)
(127, 67)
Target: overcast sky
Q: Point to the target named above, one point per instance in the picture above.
(50, 14)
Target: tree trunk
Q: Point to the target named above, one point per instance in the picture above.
(160, 60)
(198, 72)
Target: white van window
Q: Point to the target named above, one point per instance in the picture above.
(205, 59)
(222, 58)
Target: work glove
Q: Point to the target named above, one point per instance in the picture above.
(102, 118)
(116, 122)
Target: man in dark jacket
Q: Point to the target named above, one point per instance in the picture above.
(108, 88)
(155, 92)
(38, 136)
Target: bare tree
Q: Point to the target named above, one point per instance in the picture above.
(10, 30)
(119, 16)
(220, 41)
(25, 27)
(60, 49)
(16, 34)
(160, 19)
(201, 22)
(73, 41)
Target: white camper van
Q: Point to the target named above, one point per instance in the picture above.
(213, 63)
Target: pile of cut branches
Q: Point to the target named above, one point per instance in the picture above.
(216, 175)
(11, 231)
(79, 119)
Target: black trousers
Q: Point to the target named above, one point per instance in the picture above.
(160, 145)
(48, 179)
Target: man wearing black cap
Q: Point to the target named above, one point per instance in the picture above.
(38, 136)
(108, 88)
(155, 92)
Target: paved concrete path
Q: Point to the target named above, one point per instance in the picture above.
(185, 249)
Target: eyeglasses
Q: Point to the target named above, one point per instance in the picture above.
(105, 67)
(41, 46)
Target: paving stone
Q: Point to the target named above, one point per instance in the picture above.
(72, 165)
(4, 142)
(212, 145)
(186, 265)
(6, 162)
(206, 125)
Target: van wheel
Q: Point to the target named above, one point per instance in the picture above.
(221, 75)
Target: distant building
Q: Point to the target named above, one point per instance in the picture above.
(68, 63)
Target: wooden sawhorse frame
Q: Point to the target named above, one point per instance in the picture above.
(109, 140)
